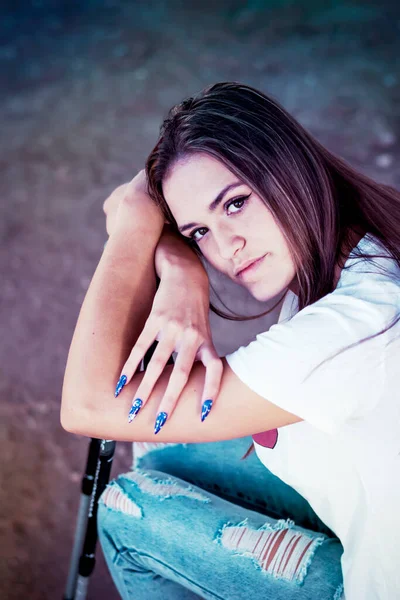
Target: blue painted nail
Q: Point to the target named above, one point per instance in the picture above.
(160, 420)
(136, 406)
(121, 382)
(207, 405)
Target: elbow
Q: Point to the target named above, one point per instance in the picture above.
(72, 420)
(67, 423)
(74, 409)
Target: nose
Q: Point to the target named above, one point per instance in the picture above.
(229, 242)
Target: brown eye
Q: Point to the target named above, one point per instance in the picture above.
(199, 230)
(238, 203)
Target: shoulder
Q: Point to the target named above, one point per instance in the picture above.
(370, 258)
(313, 362)
(370, 280)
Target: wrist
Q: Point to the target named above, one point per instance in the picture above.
(184, 269)
(173, 256)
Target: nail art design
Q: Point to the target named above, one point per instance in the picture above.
(121, 382)
(160, 421)
(136, 406)
(205, 409)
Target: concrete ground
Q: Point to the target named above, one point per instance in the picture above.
(84, 87)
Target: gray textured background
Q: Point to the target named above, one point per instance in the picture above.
(84, 87)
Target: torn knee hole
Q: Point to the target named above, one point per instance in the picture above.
(115, 498)
(164, 488)
(279, 550)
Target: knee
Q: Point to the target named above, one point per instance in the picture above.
(115, 499)
(116, 514)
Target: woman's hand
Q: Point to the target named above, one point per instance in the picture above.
(179, 321)
(128, 199)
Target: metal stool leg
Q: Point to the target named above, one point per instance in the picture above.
(88, 560)
(83, 512)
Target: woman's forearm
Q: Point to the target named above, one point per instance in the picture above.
(112, 316)
(116, 306)
(172, 252)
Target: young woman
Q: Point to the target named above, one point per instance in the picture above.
(235, 181)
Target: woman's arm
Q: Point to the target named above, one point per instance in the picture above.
(115, 308)
(179, 319)
(172, 252)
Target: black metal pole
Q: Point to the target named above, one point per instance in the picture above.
(88, 559)
(83, 511)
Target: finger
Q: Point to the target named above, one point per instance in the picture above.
(143, 343)
(177, 381)
(154, 369)
(212, 381)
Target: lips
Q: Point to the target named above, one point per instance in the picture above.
(246, 265)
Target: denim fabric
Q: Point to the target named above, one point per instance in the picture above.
(194, 521)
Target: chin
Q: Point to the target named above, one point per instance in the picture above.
(262, 295)
(264, 292)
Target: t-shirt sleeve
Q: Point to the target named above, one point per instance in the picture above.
(279, 364)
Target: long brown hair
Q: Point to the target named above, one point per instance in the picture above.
(316, 197)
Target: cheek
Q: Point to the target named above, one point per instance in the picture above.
(211, 254)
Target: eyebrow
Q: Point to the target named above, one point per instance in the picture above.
(215, 203)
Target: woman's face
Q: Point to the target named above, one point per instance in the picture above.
(231, 225)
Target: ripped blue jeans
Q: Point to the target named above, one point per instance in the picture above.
(194, 521)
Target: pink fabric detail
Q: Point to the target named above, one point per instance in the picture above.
(267, 439)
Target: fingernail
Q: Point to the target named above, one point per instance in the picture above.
(160, 420)
(205, 409)
(136, 406)
(121, 382)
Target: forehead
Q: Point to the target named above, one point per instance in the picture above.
(194, 182)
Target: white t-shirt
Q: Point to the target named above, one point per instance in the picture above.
(344, 458)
